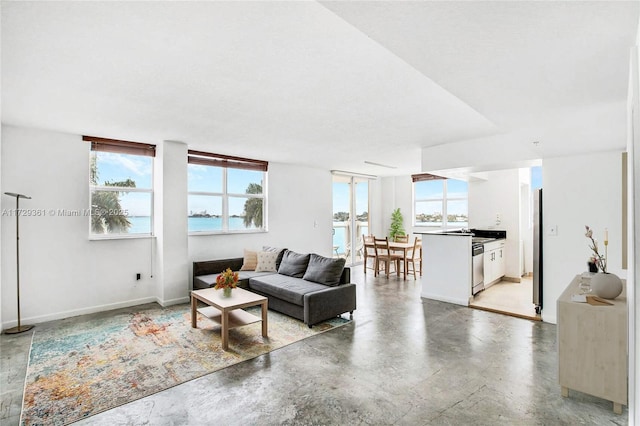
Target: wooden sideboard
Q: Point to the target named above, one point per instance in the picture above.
(592, 347)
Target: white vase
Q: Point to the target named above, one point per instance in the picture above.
(606, 285)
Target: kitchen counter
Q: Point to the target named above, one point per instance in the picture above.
(446, 260)
(447, 263)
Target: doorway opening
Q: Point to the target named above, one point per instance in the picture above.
(516, 294)
(350, 217)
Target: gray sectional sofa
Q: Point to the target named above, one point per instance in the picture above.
(309, 287)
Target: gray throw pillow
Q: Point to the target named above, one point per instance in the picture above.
(293, 264)
(324, 270)
(280, 252)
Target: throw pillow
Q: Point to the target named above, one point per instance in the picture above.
(250, 260)
(293, 264)
(280, 252)
(266, 261)
(324, 270)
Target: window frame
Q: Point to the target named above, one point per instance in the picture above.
(444, 200)
(225, 162)
(115, 146)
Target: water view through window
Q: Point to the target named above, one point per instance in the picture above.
(441, 203)
(216, 207)
(348, 227)
(121, 193)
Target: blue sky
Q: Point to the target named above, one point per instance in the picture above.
(536, 177)
(341, 197)
(209, 179)
(119, 167)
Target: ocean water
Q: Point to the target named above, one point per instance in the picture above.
(142, 224)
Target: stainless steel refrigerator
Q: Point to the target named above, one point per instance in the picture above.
(537, 249)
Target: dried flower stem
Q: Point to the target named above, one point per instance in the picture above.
(601, 261)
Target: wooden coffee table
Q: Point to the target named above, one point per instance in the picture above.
(227, 311)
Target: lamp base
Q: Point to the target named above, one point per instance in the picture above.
(19, 329)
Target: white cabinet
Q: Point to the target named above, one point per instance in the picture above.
(494, 262)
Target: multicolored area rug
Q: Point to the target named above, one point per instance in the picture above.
(78, 369)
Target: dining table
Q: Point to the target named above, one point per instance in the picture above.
(398, 247)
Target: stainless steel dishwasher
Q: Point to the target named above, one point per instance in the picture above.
(477, 251)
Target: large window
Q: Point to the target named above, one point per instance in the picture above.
(226, 194)
(121, 187)
(440, 203)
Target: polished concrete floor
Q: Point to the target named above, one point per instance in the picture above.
(403, 360)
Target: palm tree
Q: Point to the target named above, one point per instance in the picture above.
(105, 206)
(253, 207)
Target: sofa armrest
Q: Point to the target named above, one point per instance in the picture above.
(333, 301)
(216, 266)
(345, 278)
(209, 267)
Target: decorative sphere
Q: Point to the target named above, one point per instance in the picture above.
(606, 285)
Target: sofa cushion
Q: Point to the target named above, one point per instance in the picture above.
(284, 287)
(245, 275)
(293, 264)
(250, 260)
(267, 261)
(280, 252)
(324, 270)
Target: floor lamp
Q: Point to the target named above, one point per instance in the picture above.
(20, 328)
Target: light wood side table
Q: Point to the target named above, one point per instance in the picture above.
(227, 311)
(592, 347)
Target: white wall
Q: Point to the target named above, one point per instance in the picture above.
(376, 204)
(2, 205)
(526, 225)
(633, 162)
(578, 191)
(396, 192)
(633, 234)
(499, 195)
(170, 222)
(64, 274)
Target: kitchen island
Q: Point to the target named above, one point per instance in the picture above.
(446, 259)
(448, 263)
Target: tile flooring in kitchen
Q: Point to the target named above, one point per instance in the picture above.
(508, 298)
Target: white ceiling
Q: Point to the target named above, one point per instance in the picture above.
(323, 84)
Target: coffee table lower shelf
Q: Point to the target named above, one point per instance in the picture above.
(237, 317)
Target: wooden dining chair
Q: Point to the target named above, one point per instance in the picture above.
(385, 256)
(414, 255)
(369, 252)
(401, 239)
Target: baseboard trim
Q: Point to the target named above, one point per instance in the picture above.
(78, 312)
(170, 302)
(462, 302)
(512, 279)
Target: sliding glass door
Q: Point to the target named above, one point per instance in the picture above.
(350, 216)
